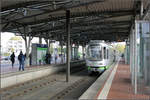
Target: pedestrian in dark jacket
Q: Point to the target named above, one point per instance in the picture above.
(46, 58)
(12, 58)
(21, 59)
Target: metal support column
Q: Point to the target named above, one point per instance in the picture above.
(135, 59)
(128, 53)
(133, 52)
(71, 51)
(61, 44)
(75, 52)
(131, 56)
(125, 54)
(82, 52)
(68, 44)
(142, 10)
(40, 40)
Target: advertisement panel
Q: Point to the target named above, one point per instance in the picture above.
(41, 53)
(38, 54)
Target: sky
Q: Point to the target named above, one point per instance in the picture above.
(5, 36)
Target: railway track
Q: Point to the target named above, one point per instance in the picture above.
(75, 90)
(69, 89)
(30, 88)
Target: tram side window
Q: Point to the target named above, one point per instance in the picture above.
(105, 54)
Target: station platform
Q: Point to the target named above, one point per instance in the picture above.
(8, 69)
(115, 84)
(6, 66)
(16, 68)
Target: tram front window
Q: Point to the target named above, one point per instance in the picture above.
(94, 52)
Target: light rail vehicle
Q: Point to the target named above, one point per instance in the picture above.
(99, 56)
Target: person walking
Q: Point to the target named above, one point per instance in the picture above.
(12, 58)
(21, 59)
(46, 58)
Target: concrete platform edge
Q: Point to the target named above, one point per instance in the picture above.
(92, 91)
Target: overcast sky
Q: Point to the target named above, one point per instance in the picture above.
(5, 36)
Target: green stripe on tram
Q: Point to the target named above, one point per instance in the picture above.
(104, 67)
(101, 67)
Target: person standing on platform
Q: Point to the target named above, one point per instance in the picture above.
(12, 58)
(30, 57)
(21, 59)
(46, 58)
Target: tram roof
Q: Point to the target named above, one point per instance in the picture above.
(90, 19)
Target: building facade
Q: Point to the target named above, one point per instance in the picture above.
(15, 44)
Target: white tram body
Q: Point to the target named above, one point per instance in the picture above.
(99, 56)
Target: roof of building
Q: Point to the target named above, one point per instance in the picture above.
(16, 38)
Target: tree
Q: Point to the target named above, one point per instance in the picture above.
(120, 47)
(26, 35)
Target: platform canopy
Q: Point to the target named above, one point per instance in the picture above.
(90, 19)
